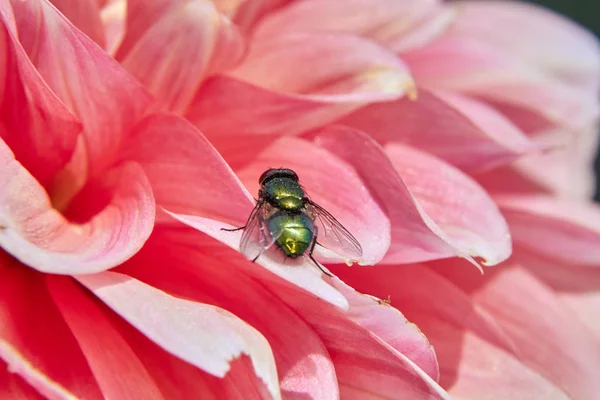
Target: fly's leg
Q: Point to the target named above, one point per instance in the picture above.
(234, 229)
(310, 255)
(264, 237)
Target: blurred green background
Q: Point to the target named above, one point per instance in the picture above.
(587, 13)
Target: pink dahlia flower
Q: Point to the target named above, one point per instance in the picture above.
(435, 132)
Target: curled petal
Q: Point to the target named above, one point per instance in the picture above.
(462, 131)
(176, 53)
(565, 230)
(428, 220)
(34, 123)
(174, 154)
(51, 363)
(85, 15)
(337, 67)
(389, 21)
(532, 99)
(553, 43)
(391, 326)
(205, 336)
(42, 238)
(107, 105)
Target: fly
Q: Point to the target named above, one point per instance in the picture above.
(284, 216)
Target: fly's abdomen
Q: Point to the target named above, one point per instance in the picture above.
(294, 232)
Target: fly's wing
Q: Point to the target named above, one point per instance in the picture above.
(256, 237)
(333, 236)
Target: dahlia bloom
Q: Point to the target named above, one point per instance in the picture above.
(438, 133)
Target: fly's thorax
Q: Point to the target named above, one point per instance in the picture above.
(284, 193)
(293, 232)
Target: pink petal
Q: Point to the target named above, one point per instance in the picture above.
(461, 208)
(50, 362)
(476, 355)
(366, 366)
(270, 96)
(226, 109)
(252, 10)
(229, 7)
(332, 184)
(515, 88)
(388, 324)
(114, 16)
(85, 15)
(176, 52)
(107, 105)
(568, 169)
(196, 273)
(424, 226)
(39, 236)
(547, 336)
(389, 21)
(187, 174)
(14, 387)
(34, 123)
(203, 335)
(474, 136)
(484, 371)
(566, 230)
(117, 369)
(553, 43)
(342, 68)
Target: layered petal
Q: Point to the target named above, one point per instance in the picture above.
(390, 22)
(117, 369)
(461, 208)
(196, 273)
(564, 230)
(271, 93)
(478, 357)
(187, 42)
(34, 123)
(118, 218)
(515, 297)
(553, 43)
(107, 105)
(533, 100)
(462, 131)
(202, 335)
(366, 366)
(51, 363)
(428, 219)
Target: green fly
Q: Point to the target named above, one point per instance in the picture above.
(284, 216)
